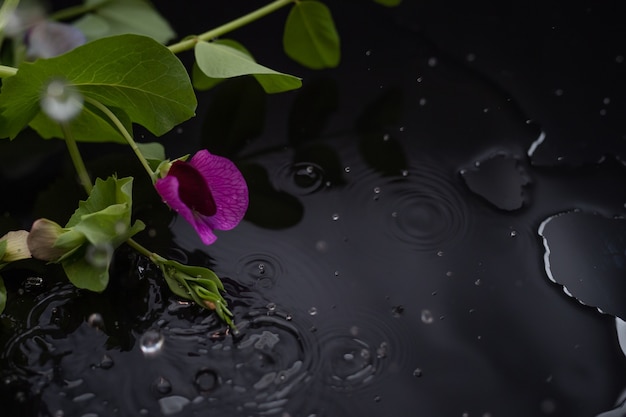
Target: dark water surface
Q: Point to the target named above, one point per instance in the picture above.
(415, 217)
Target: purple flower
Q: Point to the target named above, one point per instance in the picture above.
(208, 191)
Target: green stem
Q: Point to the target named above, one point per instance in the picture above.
(74, 11)
(77, 159)
(6, 71)
(229, 27)
(120, 126)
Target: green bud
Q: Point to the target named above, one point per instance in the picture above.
(15, 247)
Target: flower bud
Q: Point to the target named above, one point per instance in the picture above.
(16, 247)
(50, 242)
(61, 101)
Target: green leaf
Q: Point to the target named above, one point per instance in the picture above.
(104, 219)
(389, 3)
(117, 17)
(96, 125)
(220, 60)
(310, 37)
(132, 73)
(3, 295)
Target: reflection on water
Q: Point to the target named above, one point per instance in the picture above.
(380, 270)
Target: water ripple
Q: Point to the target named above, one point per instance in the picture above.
(421, 210)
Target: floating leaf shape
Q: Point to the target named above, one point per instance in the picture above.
(117, 17)
(132, 73)
(230, 59)
(310, 37)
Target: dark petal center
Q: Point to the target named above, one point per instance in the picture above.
(193, 189)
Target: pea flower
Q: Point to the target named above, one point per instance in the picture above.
(208, 191)
(13, 247)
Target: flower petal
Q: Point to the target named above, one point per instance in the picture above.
(228, 187)
(168, 190)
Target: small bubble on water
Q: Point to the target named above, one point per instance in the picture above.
(368, 52)
(377, 399)
(417, 372)
(347, 169)
(336, 273)
(405, 173)
(348, 357)
(449, 273)
(440, 253)
(478, 282)
(99, 255)
(312, 311)
(206, 380)
(397, 311)
(419, 79)
(261, 267)
(95, 320)
(151, 342)
(432, 61)
(335, 216)
(427, 317)
(513, 233)
(271, 306)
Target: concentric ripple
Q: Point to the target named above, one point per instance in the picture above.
(422, 210)
(260, 270)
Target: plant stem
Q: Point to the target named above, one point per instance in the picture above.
(6, 71)
(189, 43)
(74, 11)
(120, 126)
(77, 159)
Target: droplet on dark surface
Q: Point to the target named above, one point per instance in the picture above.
(500, 180)
(586, 253)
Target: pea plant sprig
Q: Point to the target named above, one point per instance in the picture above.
(88, 74)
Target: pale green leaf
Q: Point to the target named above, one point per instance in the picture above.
(310, 37)
(133, 73)
(217, 60)
(118, 17)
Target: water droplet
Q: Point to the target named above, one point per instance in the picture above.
(417, 372)
(377, 398)
(162, 386)
(449, 273)
(99, 255)
(405, 173)
(477, 282)
(271, 306)
(432, 61)
(335, 216)
(440, 253)
(427, 317)
(368, 52)
(470, 57)
(106, 362)
(386, 137)
(419, 79)
(347, 169)
(172, 404)
(336, 273)
(151, 342)
(422, 101)
(313, 311)
(513, 233)
(606, 100)
(558, 92)
(95, 320)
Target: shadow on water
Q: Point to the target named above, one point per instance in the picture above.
(405, 251)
